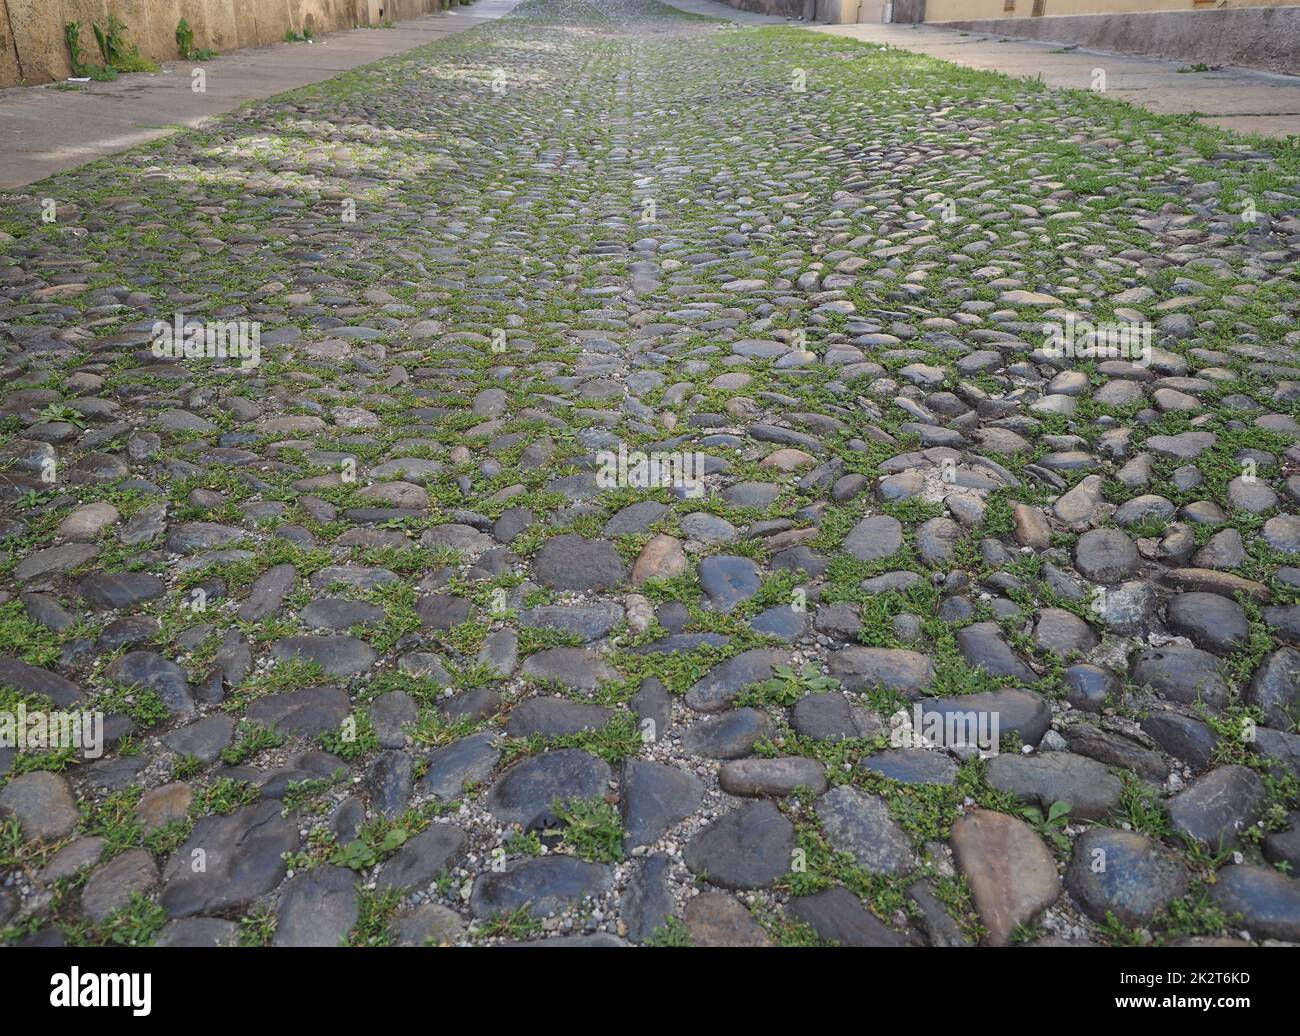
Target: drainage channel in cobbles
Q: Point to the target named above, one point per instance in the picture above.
(618, 477)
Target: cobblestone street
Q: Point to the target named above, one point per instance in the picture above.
(618, 477)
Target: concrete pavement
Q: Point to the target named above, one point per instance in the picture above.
(45, 129)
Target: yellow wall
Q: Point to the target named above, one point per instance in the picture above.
(970, 10)
(32, 48)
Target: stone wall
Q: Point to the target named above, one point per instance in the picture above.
(32, 47)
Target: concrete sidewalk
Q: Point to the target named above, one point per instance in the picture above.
(44, 129)
(1237, 99)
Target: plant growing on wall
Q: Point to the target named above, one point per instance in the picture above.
(72, 34)
(100, 73)
(117, 53)
(185, 41)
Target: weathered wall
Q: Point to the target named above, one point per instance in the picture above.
(783, 8)
(32, 48)
(829, 12)
(976, 10)
(909, 11)
(992, 15)
(1253, 37)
